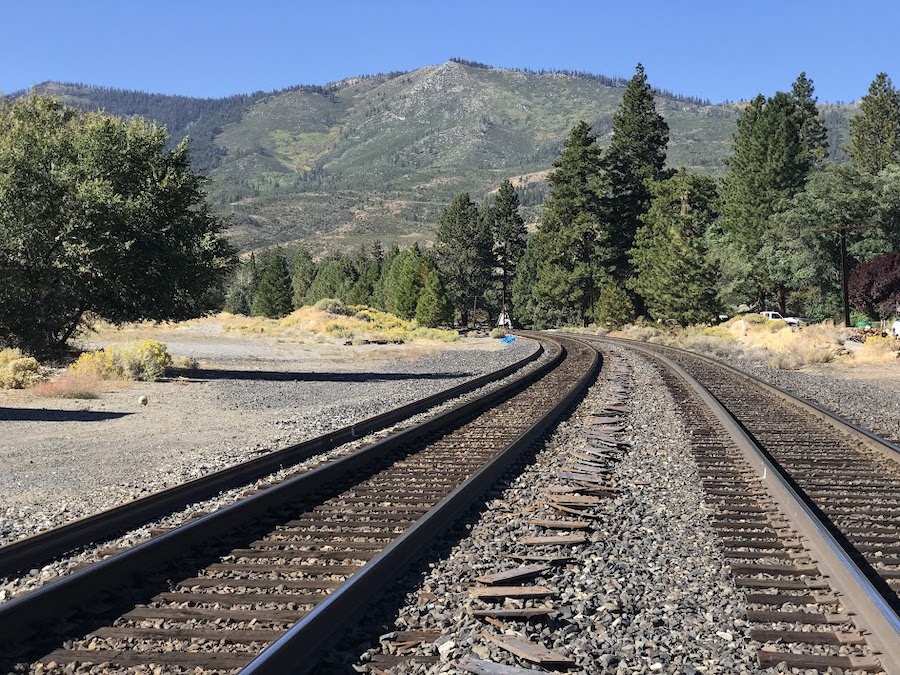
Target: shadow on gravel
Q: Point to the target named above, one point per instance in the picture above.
(281, 376)
(45, 415)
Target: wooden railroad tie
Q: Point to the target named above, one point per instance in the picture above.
(530, 651)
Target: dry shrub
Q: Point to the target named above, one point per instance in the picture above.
(877, 349)
(71, 385)
(641, 333)
(18, 371)
(499, 332)
(137, 360)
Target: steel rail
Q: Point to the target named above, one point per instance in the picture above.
(36, 612)
(294, 653)
(858, 594)
(35, 550)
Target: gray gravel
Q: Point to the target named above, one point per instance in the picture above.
(312, 413)
(650, 592)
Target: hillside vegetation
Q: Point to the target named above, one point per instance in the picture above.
(379, 157)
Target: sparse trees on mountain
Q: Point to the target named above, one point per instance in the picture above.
(875, 132)
(98, 218)
(463, 254)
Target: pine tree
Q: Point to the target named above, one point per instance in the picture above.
(244, 283)
(463, 254)
(875, 132)
(406, 283)
(673, 275)
(635, 157)
(304, 273)
(768, 166)
(509, 234)
(334, 279)
(813, 134)
(432, 308)
(273, 297)
(572, 235)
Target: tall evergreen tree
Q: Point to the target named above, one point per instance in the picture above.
(673, 276)
(334, 279)
(572, 235)
(407, 282)
(304, 273)
(273, 297)
(432, 308)
(875, 132)
(635, 157)
(463, 254)
(243, 286)
(510, 236)
(813, 134)
(768, 166)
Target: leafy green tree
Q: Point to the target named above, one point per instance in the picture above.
(408, 277)
(614, 308)
(533, 306)
(302, 276)
(769, 165)
(388, 270)
(572, 236)
(509, 234)
(875, 132)
(839, 208)
(274, 296)
(98, 218)
(463, 253)
(673, 275)
(635, 157)
(432, 308)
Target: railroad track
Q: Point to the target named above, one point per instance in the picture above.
(34, 551)
(265, 584)
(809, 514)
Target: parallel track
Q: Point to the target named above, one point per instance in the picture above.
(32, 552)
(846, 479)
(290, 564)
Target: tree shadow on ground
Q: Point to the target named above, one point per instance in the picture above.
(282, 376)
(46, 415)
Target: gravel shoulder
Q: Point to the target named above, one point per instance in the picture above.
(67, 458)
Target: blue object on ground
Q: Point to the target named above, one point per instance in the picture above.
(508, 339)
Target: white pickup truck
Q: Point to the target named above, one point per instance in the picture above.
(775, 316)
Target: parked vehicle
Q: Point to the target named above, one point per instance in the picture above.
(895, 329)
(775, 316)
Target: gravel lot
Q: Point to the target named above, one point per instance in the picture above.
(68, 458)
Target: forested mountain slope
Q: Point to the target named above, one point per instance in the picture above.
(378, 157)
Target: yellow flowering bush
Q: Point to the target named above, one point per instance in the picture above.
(18, 371)
(137, 360)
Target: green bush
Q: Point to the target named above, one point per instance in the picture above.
(333, 306)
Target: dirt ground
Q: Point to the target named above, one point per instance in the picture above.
(66, 457)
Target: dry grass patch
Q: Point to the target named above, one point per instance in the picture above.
(877, 349)
(71, 385)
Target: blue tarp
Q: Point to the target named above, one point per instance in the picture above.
(508, 339)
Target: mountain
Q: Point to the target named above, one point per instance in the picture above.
(378, 157)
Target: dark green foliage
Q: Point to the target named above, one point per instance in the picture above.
(509, 234)
(302, 276)
(432, 308)
(813, 134)
(635, 157)
(335, 278)
(875, 132)
(273, 297)
(463, 254)
(405, 281)
(875, 286)
(673, 275)
(613, 308)
(97, 217)
(772, 156)
(571, 238)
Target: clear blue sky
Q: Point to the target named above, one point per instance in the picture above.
(717, 49)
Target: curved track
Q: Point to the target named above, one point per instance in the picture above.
(34, 551)
(837, 547)
(291, 563)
